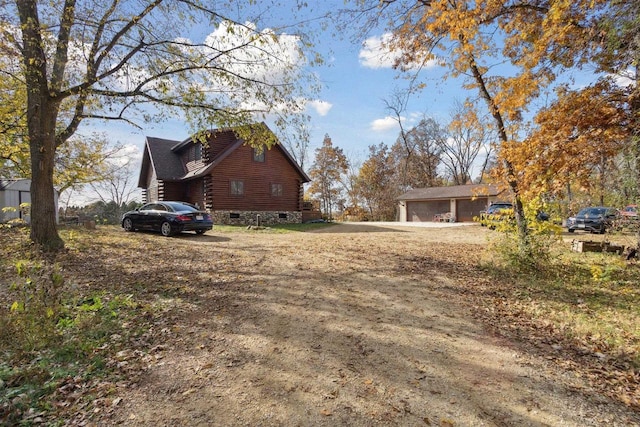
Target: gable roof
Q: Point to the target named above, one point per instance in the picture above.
(163, 156)
(164, 161)
(452, 192)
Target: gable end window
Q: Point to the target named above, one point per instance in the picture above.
(194, 153)
(258, 154)
(276, 190)
(236, 188)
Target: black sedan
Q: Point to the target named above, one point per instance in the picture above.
(167, 217)
(595, 219)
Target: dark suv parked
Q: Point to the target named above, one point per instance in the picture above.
(595, 219)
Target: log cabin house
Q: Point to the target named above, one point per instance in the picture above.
(219, 172)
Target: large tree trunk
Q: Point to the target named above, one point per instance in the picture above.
(42, 112)
(41, 117)
(43, 208)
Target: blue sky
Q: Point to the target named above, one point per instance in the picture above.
(350, 107)
(356, 79)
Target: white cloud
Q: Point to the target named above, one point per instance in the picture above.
(298, 105)
(321, 107)
(254, 54)
(128, 154)
(375, 53)
(384, 125)
(259, 67)
(625, 78)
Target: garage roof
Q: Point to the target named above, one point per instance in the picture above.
(452, 192)
(15, 184)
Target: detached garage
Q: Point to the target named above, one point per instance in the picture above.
(459, 203)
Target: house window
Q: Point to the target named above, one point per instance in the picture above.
(258, 154)
(282, 215)
(236, 188)
(234, 215)
(276, 190)
(194, 153)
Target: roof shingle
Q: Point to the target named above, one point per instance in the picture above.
(452, 192)
(168, 165)
(163, 155)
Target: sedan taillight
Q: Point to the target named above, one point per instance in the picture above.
(183, 218)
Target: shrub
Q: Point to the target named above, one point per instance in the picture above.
(31, 321)
(533, 252)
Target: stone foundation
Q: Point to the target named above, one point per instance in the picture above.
(251, 217)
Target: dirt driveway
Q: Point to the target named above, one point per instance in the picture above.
(334, 328)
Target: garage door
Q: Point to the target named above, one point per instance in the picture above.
(424, 211)
(466, 209)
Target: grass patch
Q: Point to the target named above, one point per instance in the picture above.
(589, 299)
(37, 383)
(56, 337)
(277, 228)
(302, 228)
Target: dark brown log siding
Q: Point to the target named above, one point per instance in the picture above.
(195, 192)
(257, 178)
(173, 191)
(217, 144)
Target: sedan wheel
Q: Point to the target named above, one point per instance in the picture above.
(127, 224)
(200, 231)
(166, 229)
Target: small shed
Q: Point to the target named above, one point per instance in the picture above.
(461, 202)
(13, 193)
